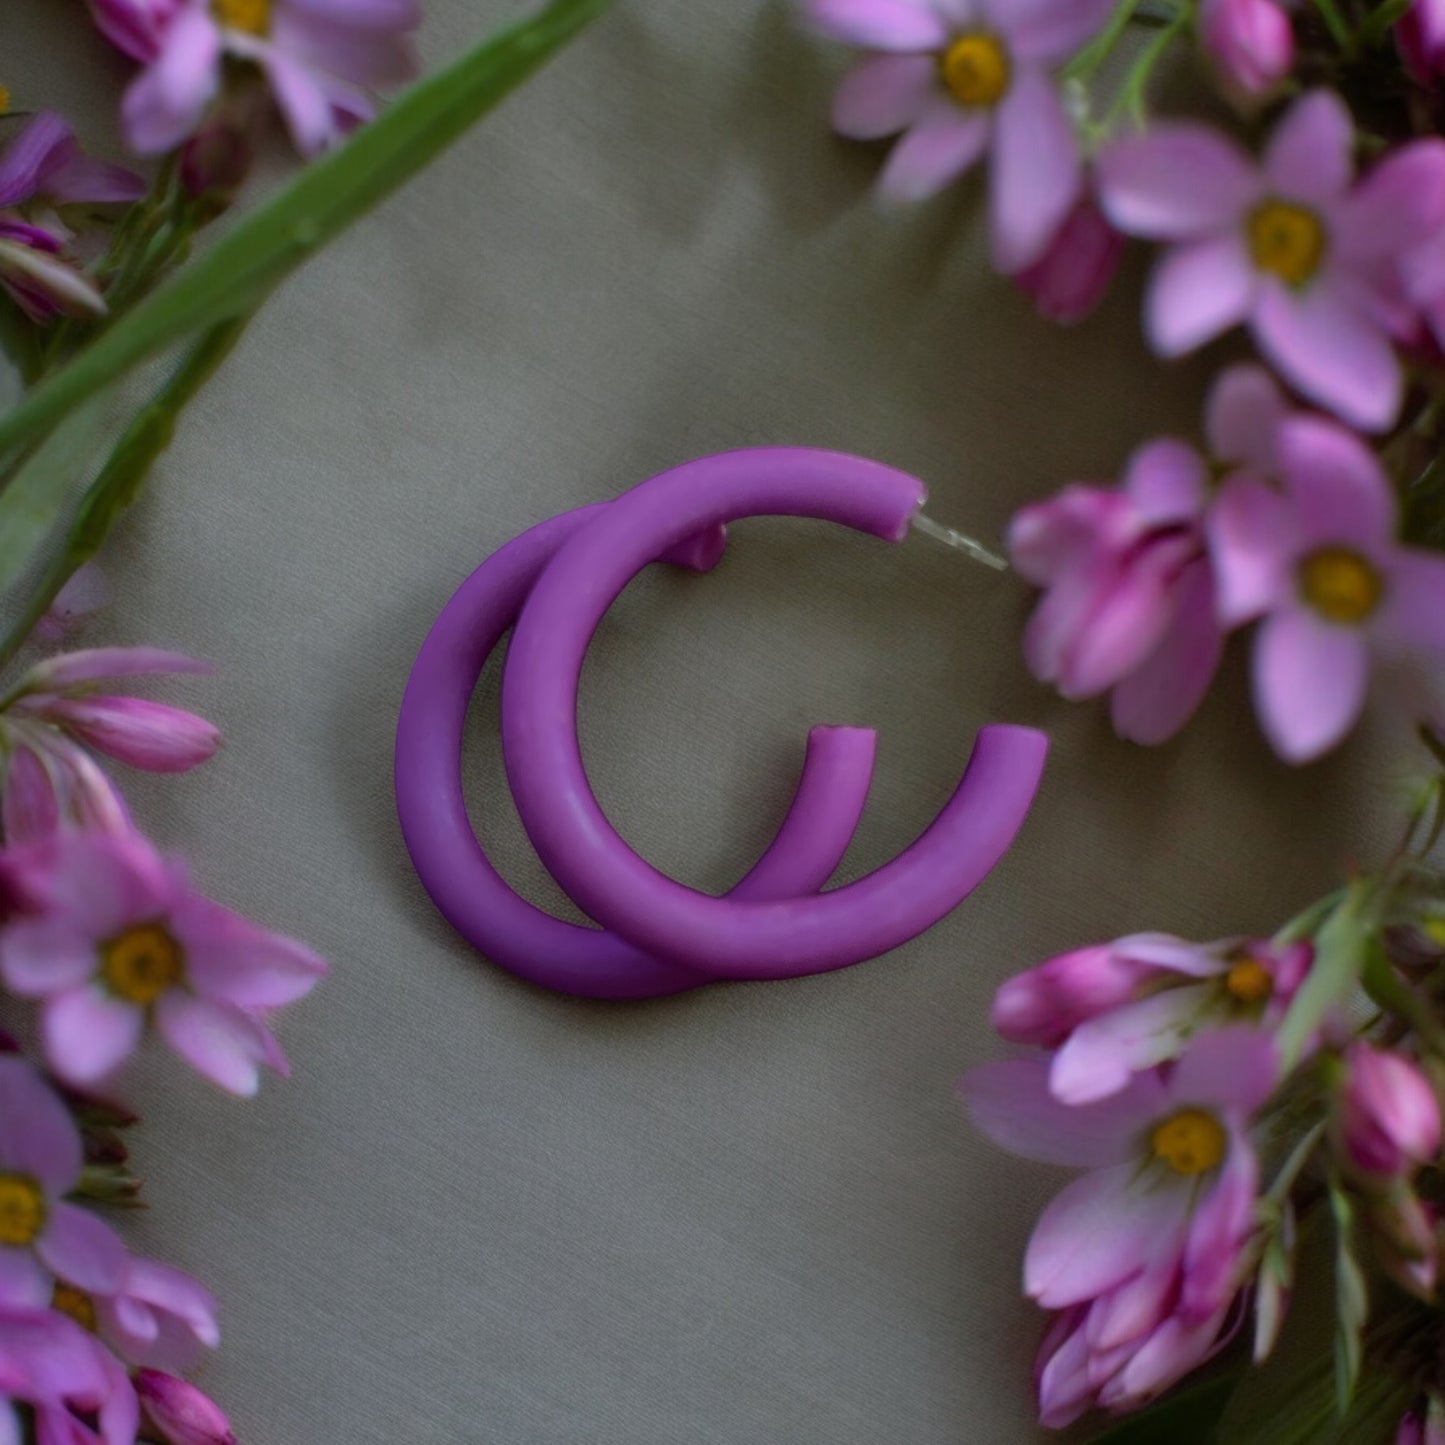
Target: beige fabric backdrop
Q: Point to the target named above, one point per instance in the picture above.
(482, 1215)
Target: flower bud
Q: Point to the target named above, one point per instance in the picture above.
(1045, 1004)
(180, 1413)
(1420, 36)
(134, 26)
(1076, 271)
(1252, 41)
(1389, 1115)
(215, 163)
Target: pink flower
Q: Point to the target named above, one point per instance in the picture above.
(1293, 248)
(1389, 1115)
(50, 781)
(961, 77)
(1424, 1424)
(1128, 599)
(135, 26)
(1252, 41)
(120, 941)
(46, 1362)
(41, 1233)
(180, 1412)
(1320, 563)
(1148, 1250)
(1070, 279)
(1119, 1009)
(322, 60)
(1421, 38)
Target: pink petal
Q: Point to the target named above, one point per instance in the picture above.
(44, 956)
(877, 24)
(1327, 347)
(219, 1042)
(1400, 204)
(946, 141)
(1412, 616)
(1197, 292)
(1133, 1309)
(37, 1134)
(1037, 173)
(1103, 1054)
(1047, 31)
(1099, 1232)
(1242, 418)
(24, 1285)
(1170, 1353)
(1167, 481)
(1339, 488)
(166, 101)
(230, 960)
(31, 809)
(1178, 183)
(883, 95)
(88, 1034)
(100, 884)
(1310, 154)
(51, 278)
(82, 1250)
(1161, 695)
(1011, 1103)
(304, 101)
(1046, 538)
(1064, 614)
(143, 734)
(1309, 683)
(1222, 1222)
(1165, 951)
(1253, 539)
(26, 159)
(176, 1293)
(105, 664)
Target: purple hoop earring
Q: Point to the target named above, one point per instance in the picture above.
(734, 938)
(454, 868)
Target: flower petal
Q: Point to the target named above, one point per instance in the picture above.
(1339, 488)
(1166, 479)
(219, 1042)
(25, 159)
(82, 1249)
(944, 143)
(1010, 1101)
(165, 102)
(1310, 154)
(1103, 1054)
(88, 1034)
(37, 1135)
(883, 94)
(24, 1285)
(1233, 1069)
(1242, 418)
(1223, 1220)
(1329, 348)
(1253, 538)
(1309, 683)
(1412, 616)
(1197, 292)
(136, 731)
(1400, 204)
(30, 807)
(1161, 694)
(1037, 173)
(1178, 183)
(44, 956)
(877, 24)
(1047, 31)
(105, 664)
(230, 960)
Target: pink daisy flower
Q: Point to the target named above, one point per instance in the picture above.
(48, 1364)
(960, 78)
(1291, 247)
(1320, 563)
(322, 58)
(1251, 41)
(118, 941)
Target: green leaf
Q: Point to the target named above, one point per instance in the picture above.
(237, 273)
(1352, 1301)
(1190, 1417)
(1382, 18)
(1339, 961)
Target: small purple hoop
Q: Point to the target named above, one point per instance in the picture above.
(451, 863)
(737, 938)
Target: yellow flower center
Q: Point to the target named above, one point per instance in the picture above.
(141, 964)
(1287, 240)
(1191, 1142)
(22, 1210)
(1340, 585)
(251, 17)
(976, 70)
(1248, 980)
(68, 1300)
(4, 99)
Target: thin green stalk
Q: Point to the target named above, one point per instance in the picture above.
(1382, 20)
(120, 479)
(1336, 24)
(1130, 98)
(1085, 65)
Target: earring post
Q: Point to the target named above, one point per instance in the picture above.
(959, 541)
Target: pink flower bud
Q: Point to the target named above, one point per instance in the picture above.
(134, 26)
(1389, 1116)
(1045, 1005)
(1421, 38)
(1073, 275)
(1252, 41)
(149, 735)
(180, 1412)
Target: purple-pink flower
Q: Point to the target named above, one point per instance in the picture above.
(135, 26)
(1319, 561)
(118, 941)
(1424, 1424)
(1146, 1253)
(41, 1232)
(181, 1413)
(1421, 37)
(49, 1364)
(1291, 247)
(1070, 279)
(1389, 1114)
(1119, 1009)
(322, 60)
(960, 78)
(1251, 41)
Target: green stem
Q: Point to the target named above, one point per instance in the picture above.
(1130, 98)
(1382, 19)
(1335, 22)
(1085, 65)
(148, 435)
(1393, 994)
